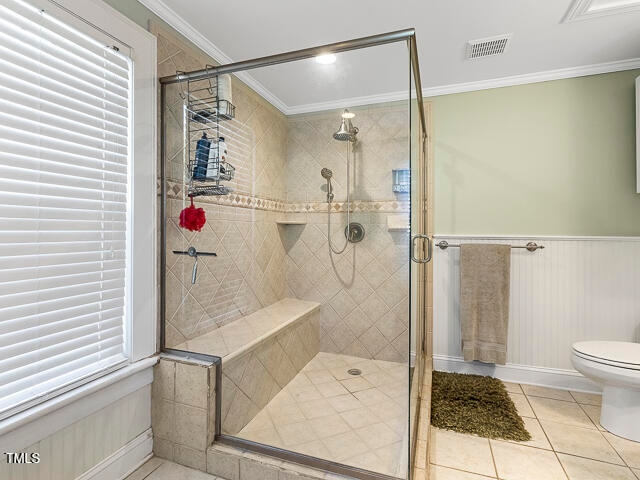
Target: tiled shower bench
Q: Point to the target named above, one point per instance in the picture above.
(261, 353)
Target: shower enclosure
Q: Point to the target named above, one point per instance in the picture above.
(306, 285)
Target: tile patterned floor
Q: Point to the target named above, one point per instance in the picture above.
(159, 469)
(325, 412)
(568, 444)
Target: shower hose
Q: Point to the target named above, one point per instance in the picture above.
(346, 241)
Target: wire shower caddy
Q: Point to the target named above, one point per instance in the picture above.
(203, 112)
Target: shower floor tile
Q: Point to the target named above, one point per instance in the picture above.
(359, 420)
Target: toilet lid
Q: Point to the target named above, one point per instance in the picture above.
(623, 354)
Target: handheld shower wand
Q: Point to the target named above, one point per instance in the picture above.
(327, 174)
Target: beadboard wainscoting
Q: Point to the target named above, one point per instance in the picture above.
(576, 288)
(106, 445)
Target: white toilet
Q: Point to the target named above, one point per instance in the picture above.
(615, 366)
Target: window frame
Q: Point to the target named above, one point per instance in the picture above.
(141, 283)
(141, 336)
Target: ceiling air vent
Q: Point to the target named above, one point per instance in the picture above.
(486, 47)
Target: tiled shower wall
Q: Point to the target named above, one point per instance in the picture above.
(383, 144)
(248, 272)
(364, 292)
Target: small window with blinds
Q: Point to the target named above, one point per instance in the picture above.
(64, 205)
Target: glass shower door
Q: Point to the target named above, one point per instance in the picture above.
(341, 404)
(420, 249)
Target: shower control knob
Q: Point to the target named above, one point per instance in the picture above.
(354, 232)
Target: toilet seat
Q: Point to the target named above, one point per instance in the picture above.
(616, 354)
(616, 367)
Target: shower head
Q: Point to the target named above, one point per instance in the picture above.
(343, 134)
(347, 131)
(326, 173)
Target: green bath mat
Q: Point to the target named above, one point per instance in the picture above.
(475, 404)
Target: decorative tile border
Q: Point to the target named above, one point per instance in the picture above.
(175, 191)
(357, 206)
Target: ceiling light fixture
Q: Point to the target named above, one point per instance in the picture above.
(326, 59)
(347, 114)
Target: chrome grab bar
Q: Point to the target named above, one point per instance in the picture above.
(531, 246)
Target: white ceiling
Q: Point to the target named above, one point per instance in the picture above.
(543, 46)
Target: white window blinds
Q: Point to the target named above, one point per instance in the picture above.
(64, 176)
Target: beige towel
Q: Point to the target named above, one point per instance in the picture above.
(484, 301)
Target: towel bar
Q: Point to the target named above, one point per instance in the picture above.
(531, 246)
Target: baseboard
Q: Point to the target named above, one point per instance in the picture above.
(546, 377)
(124, 461)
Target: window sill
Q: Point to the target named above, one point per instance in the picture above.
(25, 428)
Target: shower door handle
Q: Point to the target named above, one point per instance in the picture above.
(413, 248)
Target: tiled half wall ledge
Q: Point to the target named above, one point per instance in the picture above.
(261, 353)
(183, 399)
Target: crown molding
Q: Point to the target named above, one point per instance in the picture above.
(581, 10)
(348, 102)
(576, 10)
(181, 25)
(559, 74)
(186, 30)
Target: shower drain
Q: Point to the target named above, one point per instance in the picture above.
(354, 371)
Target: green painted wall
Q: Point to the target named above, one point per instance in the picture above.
(551, 158)
(135, 11)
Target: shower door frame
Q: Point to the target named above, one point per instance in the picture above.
(408, 36)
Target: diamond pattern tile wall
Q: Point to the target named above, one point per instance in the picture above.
(383, 145)
(251, 381)
(364, 292)
(248, 273)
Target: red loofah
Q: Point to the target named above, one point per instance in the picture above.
(192, 218)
